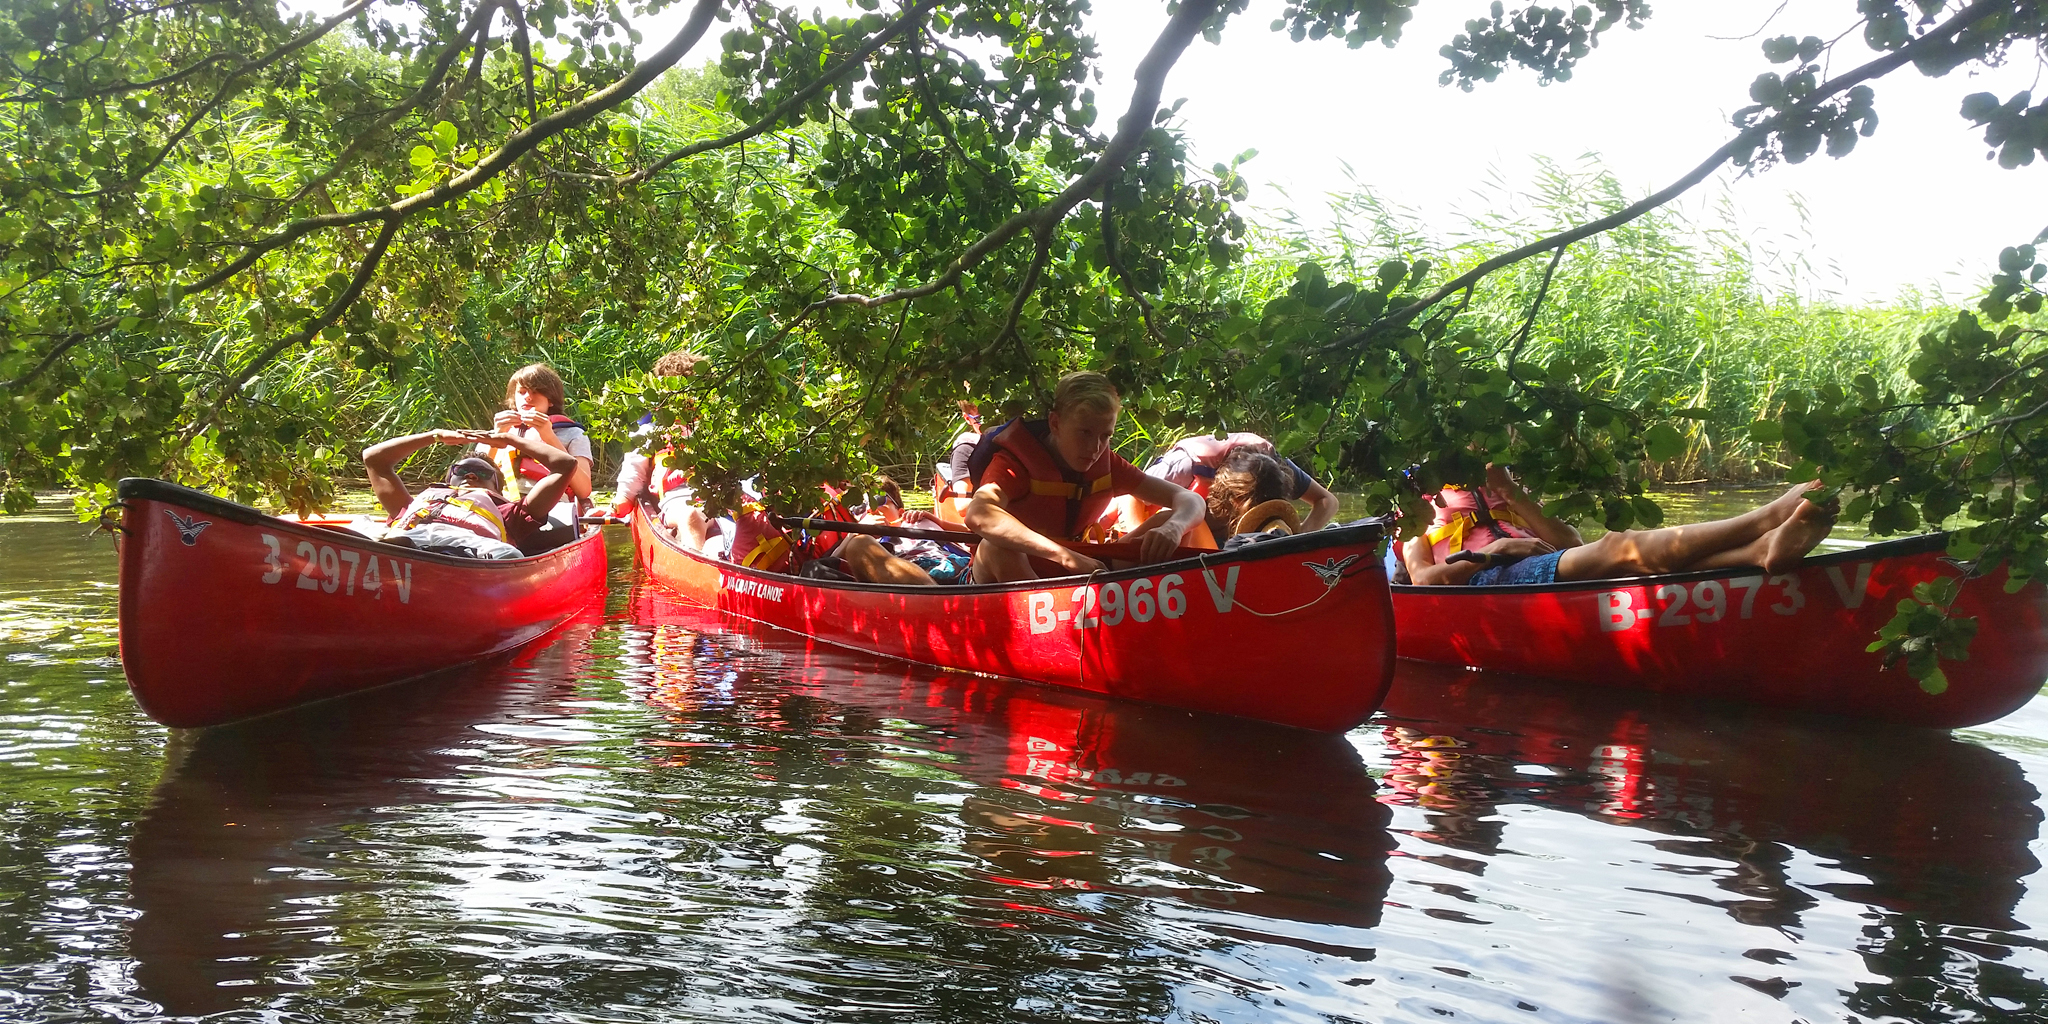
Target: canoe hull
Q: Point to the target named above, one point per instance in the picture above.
(1257, 636)
(1792, 641)
(249, 614)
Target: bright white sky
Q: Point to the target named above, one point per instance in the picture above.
(1915, 206)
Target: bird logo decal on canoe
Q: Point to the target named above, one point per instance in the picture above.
(188, 529)
(1330, 571)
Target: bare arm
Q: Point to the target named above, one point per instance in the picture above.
(1420, 559)
(1322, 507)
(987, 516)
(636, 474)
(382, 459)
(1556, 532)
(1188, 509)
(538, 425)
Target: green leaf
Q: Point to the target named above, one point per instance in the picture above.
(1934, 680)
(1662, 443)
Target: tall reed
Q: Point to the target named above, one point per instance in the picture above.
(1670, 310)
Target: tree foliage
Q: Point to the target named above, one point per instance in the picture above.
(225, 221)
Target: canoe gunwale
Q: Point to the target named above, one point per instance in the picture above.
(1341, 536)
(151, 489)
(1902, 547)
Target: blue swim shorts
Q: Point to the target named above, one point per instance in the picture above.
(1534, 569)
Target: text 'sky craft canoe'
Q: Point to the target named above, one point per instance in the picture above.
(227, 613)
(1296, 631)
(1794, 640)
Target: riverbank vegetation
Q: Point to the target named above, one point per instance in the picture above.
(238, 241)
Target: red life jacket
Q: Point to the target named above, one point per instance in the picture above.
(1208, 453)
(1060, 505)
(1465, 523)
(515, 467)
(472, 508)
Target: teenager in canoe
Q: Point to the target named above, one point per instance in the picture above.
(1251, 495)
(1040, 482)
(1194, 462)
(466, 513)
(534, 398)
(1499, 535)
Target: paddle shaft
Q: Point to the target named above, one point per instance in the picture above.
(1124, 550)
(876, 530)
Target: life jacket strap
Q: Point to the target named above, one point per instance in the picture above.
(768, 552)
(1455, 528)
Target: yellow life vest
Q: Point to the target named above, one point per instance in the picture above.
(472, 508)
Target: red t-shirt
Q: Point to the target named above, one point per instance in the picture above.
(1006, 472)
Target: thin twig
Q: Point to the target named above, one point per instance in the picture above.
(824, 81)
(1116, 263)
(1181, 30)
(327, 317)
(1747, 139)
(1522, 335)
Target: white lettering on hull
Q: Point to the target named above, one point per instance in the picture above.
(751, 588)
(1711, 601)
(323, 569)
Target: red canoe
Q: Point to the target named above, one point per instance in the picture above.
(227, 613)
(1792, 641)
(1296, 631)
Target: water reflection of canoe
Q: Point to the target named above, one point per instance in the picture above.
(1792, 641)
(250, 861)
(227, 613)
(1199, 633)
(1078, 793)
(1939, 828)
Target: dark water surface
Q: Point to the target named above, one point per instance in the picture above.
(660, 816)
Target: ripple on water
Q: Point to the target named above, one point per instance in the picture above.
(659, 817)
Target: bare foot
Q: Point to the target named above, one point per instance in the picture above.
(1787, 545)
(1781, 508)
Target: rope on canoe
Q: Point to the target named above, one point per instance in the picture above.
(1329, 587)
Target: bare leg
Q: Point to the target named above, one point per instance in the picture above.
(872, 562)
(994, 563)
(696, 528)
(1720, 544)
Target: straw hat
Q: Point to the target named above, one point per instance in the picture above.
(1268, 514)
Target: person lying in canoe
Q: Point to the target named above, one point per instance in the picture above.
(466, 514)
(1041, 482)
(1499, 536)
(653, 480)
(1194, 462)
(759, 541)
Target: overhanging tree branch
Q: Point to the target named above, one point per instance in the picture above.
(1749, 138)
(439, 71)
(364, 271)
(905, 21)
(227, 86)
(1181, 30)
(518, 145)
